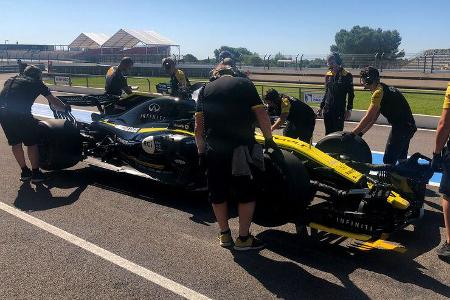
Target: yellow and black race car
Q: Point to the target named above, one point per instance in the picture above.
(335, 193)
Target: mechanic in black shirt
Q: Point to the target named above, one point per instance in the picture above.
(300, 117)
(19, 126)
(337, 103)
(226, 58)
(389, 102)
(179, 83)
(115, 78)
(224, 124)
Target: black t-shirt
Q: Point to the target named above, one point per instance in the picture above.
(20, 92)
(115, 81)
(393, 105)
(299, 113)
(226, 104)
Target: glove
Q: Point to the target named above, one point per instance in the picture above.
(270, 145)
(202, 161)
(361, 134)
(436, 163)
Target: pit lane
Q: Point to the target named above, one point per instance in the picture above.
(173, 234)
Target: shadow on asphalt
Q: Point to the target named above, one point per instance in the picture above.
(193, 203)
(291, 281)
(37, 197)
(286, 279)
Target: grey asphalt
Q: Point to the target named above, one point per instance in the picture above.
(173, 233)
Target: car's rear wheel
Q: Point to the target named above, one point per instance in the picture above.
(60, 146)
(284, 190)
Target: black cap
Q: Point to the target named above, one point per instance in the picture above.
(168, 62)
(369, 75)
(126, 61)
(272, 95)
(33, 72)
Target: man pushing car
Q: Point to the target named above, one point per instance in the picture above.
(19, 126)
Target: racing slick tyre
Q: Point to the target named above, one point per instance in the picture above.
(284, 190)
(60, 145)
(346, 149)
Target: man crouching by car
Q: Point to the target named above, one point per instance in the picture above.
(19, 126)
(224, 133)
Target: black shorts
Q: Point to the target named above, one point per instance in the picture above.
(222, 185)
(20, 128)
(444, 187)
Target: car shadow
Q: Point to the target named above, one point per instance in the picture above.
(36, 197)
(191, 202)
(343, 261)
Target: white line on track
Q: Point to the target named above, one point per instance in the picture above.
(106, 255)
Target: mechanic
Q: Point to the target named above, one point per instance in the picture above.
(115, 78)
(337, 103)
(179, 83)
(19, 126)
(21, 66)
(390, 102)
(300, 117)
(226, 58)
(441, 161)
(224, 131)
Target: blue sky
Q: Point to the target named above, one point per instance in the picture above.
(290, 27)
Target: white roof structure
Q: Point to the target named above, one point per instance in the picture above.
(128, 38)
(89, 40)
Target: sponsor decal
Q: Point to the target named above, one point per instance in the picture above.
(127, 128)
(152, 117)
(353, 224)
(179, 161)
(148, 145)
(154, 107)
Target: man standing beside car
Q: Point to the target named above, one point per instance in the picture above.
(337, 103)
(224, 131)
(391, 103)
(179, 83)
(116, 82)
(441, 160)
(19, 126)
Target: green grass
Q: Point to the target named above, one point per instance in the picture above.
(426, 104)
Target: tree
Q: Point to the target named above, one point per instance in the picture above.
(237, 52)
(366, 40)
(189, 58)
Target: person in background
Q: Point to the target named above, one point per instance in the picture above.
(441, 161)
(22, 66)
(337, 103)
(19, 126)
(116, 82)
(391, 103)
(300, 117)
(179, 83)
(226, 58)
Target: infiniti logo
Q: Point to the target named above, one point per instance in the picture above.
(154, 107)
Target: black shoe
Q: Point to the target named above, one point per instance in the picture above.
(444, 251)
(25, 175)
(37, 177)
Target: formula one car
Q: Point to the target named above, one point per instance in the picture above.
(152, 135)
